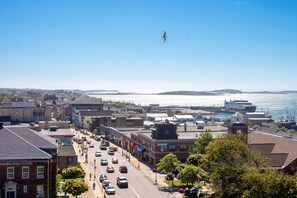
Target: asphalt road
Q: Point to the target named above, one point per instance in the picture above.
(139, 185)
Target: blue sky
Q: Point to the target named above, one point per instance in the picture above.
(116, 44)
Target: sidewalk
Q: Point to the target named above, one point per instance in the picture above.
(98, 192)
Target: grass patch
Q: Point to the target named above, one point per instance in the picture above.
(179, 184)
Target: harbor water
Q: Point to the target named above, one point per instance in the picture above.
(279, 106)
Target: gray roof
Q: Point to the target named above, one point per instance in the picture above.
(66, 150)
(58, 132)
(87, 101)
(95, 113)
(14, 147)
(37, 139)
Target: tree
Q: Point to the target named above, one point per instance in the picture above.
(188, 174)
(168, 163)
(201, 143)
(75, 187)
(73, 172)
(271, 183)
(227, 159)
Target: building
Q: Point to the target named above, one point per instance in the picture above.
(49, 124)
(280, 151)
(27, 163)
(153, 144)
(25, 112)
(66, 154)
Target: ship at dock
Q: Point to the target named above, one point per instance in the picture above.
(239, 106)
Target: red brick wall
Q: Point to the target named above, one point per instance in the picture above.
(31, 183)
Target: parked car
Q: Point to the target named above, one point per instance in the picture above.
(105, 183)
(104, 162)
(91, 145)
(102, 177)
(169, 177)
(123, 169)
(110, 169)
(113, 148)
(98, 154)
(114, 160)
(110, 152)
(97, 137)
(122, 182)
(194, 189)
(79, 141)
(103, 147)
(106, 143)
(110, 190)
(84, 138)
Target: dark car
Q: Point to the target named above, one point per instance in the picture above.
(194, 189)
(123, 169)
(102, 177)
(104, 162)
(84, 138)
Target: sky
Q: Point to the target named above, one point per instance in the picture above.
(115, 44)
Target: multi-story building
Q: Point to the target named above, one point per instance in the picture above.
(27, 163)
(25, 112)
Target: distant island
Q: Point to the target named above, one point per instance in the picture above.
(190, 93)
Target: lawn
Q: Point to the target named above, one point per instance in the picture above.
(179, 184)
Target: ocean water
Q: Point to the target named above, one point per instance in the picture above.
(277, 105)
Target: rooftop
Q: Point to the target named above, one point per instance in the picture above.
(15, 147)
(87, 101)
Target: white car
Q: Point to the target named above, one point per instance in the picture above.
(110, 189)
(97, 154)
(110, 152)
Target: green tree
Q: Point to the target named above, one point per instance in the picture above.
(271, 183)
(201, 143)
(168, 163)
(188, 174)
(73, 172)
(227, 159)
(75, 187)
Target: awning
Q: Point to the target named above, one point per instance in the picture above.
(141, 149)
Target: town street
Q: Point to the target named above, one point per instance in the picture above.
(139, 184)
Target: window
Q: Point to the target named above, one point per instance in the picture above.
(10, 172)
(25, 172)
(25, 189)
(171, 147)
(191, 147)
(40, 172)
(183, 147)
(163, 148)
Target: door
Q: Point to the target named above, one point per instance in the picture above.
(10, 194)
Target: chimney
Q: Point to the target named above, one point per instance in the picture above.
(1, 125)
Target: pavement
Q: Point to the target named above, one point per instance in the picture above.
(98, 192)
(156, 178)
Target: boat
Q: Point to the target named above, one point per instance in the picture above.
(239, 105)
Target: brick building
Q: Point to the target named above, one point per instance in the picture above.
(27, 164)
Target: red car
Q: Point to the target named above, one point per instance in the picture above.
(110, 169)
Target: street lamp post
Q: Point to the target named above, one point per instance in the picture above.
(156, 176)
